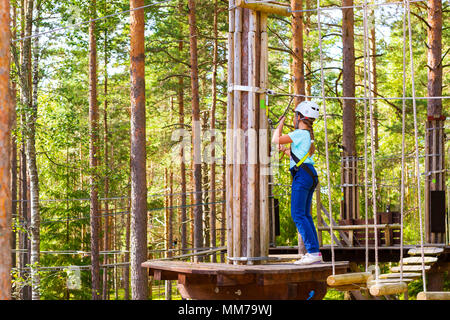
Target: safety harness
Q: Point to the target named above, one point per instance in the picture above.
(299, 163)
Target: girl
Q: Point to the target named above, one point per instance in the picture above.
(304, 175)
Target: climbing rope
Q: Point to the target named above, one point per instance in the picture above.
(372, 147)
(402, 187)
(366, 176)
(322, 82)
(411, 61)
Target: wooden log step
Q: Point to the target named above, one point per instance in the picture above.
(427, 251)
(348, 278)
(383, 289)
(396, 275)
(391, 280)
(418, 260)
(415, 268)
(436, 295)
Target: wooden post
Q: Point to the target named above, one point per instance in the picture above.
(247, 144)
(230, 136)
(264, 141)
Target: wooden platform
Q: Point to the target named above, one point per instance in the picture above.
(219, 281)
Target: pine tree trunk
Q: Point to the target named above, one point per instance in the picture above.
(106, 180)
(5, 153)
(298, 70)
(196, 128)
(183, 218)
(93, 157)
(297, 48)
(349, 164)
(435, 136)
(14, 152)
(139, 276)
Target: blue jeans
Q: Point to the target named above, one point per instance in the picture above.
(301, 197)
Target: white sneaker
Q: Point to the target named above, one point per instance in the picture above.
(309, 259)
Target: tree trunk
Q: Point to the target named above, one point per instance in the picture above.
(183, 220)
(297, 48)
(196, 128)
(435, 137)
(308, 49)
(93, 156)
(106, 245)
(14, 152)
(139, 276)
(5, 153)
(32, 165)
(24, 260)
(349, 164)
(435, 68)
(29, 150)
(298, 70)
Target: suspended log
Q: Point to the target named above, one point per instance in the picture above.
(415, 268)
(348, 278)
(268, 7)
(396, 275)
(426, 251)
(415, 260)
(436, 295)
(382, 289)
(388, 281)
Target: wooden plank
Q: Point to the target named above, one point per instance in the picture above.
(234, 280)
(164, 275)
(237, 136)
(427, 251)
(268, 279)
(268, 7)
(434, 295)
(229, 136)
(418, 260)
(361, 227)
(410, 268)
(252, 142)
(396, 275)
(264, 143)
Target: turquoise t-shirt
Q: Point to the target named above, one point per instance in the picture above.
(301, 142)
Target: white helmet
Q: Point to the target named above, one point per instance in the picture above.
(309, 109)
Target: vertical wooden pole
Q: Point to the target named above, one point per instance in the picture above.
(139, 276)
(5, 152)
(251, 136)
(237, 135)
(264, 144)
(229, 203)
(247, 119)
